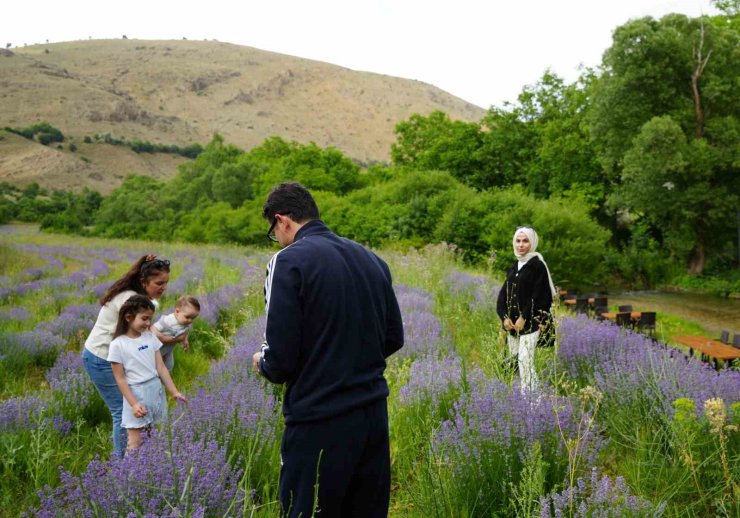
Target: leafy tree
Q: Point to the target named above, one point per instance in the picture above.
(483, 224)
(672, 182)
(133, 210)
(667, 105)
(32, 190)
(437, 143)
(729, 7)
(193, 186)
(8, 210)
(407, 208)
(234, 182)
(565, 156)
(318, 169)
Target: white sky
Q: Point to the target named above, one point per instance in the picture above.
(482, 51)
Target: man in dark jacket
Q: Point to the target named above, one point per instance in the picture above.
(332, 320)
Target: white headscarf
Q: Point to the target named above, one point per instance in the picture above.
(533, 241)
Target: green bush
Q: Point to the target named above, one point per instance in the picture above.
(45, 131)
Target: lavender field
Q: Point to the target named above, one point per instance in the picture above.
(623, 426)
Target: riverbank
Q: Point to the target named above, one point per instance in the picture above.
(725, 284)
(684, 311)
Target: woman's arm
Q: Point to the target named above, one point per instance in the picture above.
(166, 339)
(502, 305)
(164, 375)
(139, 409)
(541, 296)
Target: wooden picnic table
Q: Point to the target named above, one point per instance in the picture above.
(709, 347)
(634, 315)
(572, 302)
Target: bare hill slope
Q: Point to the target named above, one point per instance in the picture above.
(181, 92)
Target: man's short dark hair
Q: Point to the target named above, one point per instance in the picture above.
(293, 199)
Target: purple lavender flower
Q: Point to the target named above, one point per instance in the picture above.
(32, 344)
(71, 388)
(413, 300)
(40, 280)
(495, 425)
(483, 290)
(598, 496)
(16, 314)
(212, 304)
(422, 329)
(74, 320)
(626, 366)
(431, 378)
(19, 413)
(162, 478)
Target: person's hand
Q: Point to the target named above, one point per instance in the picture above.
(179, 397)
(507, 324)
(185, 345)
(519, 324)
(139, 410)
(256, 357)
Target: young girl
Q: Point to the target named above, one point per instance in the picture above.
(138, 367)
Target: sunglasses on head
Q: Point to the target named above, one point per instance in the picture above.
(157, 263)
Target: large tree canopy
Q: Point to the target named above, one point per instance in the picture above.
(665, 119)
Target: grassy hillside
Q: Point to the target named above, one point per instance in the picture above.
(181, 92)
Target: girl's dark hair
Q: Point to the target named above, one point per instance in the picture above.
(133, 306)
(146, 267)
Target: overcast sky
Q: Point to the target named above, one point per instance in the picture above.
(483, 51)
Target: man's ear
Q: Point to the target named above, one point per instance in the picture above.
(283, 218)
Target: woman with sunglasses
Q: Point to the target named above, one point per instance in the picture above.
(524, 303)
(148, 276)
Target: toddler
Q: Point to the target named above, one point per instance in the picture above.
(175, 327)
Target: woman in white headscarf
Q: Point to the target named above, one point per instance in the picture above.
(524, 303)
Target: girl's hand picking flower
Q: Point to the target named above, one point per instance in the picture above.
(139, 410)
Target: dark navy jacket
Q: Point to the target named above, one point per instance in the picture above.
(332, 320)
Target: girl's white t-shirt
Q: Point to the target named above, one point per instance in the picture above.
(137, 355)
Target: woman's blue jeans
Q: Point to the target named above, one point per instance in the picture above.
(101, 375)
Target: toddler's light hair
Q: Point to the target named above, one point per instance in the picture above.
(187, 300)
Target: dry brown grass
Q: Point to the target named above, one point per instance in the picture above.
(182, 92)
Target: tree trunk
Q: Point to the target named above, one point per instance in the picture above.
(698, 259)
(700, 63)
(698, 112)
